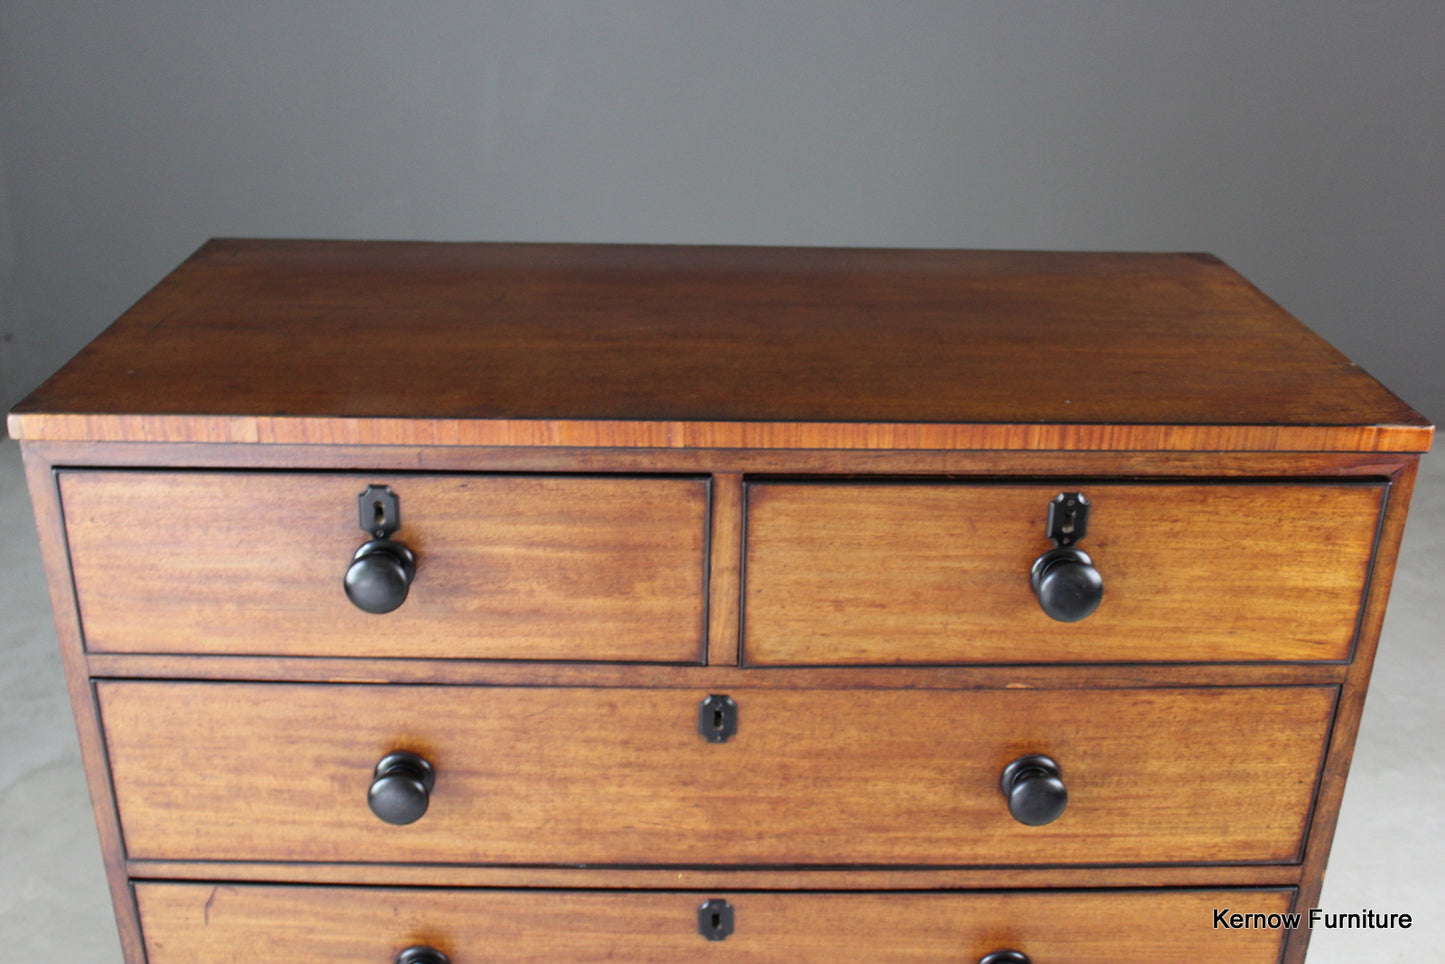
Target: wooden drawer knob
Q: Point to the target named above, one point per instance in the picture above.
(421, 954)
(1067, 584)
(1006, 957)
(401, 788)
(1035, 791)
(380, 575)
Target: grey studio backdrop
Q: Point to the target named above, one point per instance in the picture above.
(1303, 142)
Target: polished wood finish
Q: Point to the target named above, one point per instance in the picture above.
(509, 567)
(607, 346)
(492, 673)
(735, 878)
(725, 571)
(690, 448)
(273, 925)
(1191, 572)
(869, 777)
(1023, 465)
(757, 436)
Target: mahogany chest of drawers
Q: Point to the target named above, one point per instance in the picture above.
(497, 603)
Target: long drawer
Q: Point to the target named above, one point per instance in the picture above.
(867, 573)
(507, 567)
(232, 771)
(189, 923)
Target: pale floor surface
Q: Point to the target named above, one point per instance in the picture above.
(1389, 853)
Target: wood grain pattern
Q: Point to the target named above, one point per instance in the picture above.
(1046, 676)
(213, 771)
(1021, 465)
(722, 878)
(456, 344)
(725, 570)
(761, 436)
(508, 567)
(846, 573)
(190, 924)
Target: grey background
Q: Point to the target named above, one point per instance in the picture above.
(1301, 141)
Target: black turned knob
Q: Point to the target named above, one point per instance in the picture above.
(1006, 957)
(401, 788)
(1035, 790)
(422, 954)
(379, 576)
(1067, 584)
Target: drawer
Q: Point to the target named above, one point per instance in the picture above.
(188, 923)
(507, 567)
(867, 573)
(842, 778)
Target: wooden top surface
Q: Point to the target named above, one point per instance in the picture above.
(619, 345)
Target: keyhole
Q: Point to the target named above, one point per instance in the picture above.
(715, 919)
(380, 514)
(717, 721)
(1070, 518)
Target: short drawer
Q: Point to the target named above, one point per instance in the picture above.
(187, 923)
(842, 778)
(866, 573)
(507, 567)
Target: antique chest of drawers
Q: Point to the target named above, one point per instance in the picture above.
(495, 603)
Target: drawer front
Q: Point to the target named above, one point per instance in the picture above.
(192, 923)
(940, 573)
(507, 567)
(231, 771)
